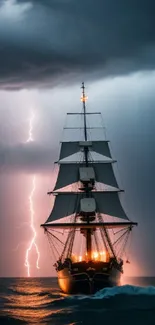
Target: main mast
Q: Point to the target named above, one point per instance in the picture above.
(88, 230)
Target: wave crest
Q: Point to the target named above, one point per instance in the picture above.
(123, 290)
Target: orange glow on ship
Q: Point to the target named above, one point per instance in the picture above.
(96, 256)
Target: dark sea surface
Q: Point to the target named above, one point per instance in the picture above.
(39, 301)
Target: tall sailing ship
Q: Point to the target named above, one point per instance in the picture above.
(88, 216)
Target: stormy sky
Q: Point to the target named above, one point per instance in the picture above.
(47, 48)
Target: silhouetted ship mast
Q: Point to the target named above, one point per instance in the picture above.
(100, 264)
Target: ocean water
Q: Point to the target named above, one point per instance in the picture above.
(39, 301)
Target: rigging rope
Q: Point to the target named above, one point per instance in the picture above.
(122, 248)
(100, 218)
(51, 246)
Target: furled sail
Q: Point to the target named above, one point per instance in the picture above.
(70, 148)
(69, 174)
(69, 203)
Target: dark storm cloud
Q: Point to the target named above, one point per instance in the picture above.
(25, 158)
(42, 42)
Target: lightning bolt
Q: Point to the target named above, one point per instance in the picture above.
(32, 213)
(30, 137)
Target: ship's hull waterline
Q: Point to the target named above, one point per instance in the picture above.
(87, 282)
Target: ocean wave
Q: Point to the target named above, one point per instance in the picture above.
(122, 290)
(122, 297)
(125, 305)
(19, 291)
(11, 321)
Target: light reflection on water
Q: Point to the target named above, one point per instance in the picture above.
(30, 300)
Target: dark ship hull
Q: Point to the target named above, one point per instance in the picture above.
(88, 278)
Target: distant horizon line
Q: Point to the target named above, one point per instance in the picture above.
(55, 277)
